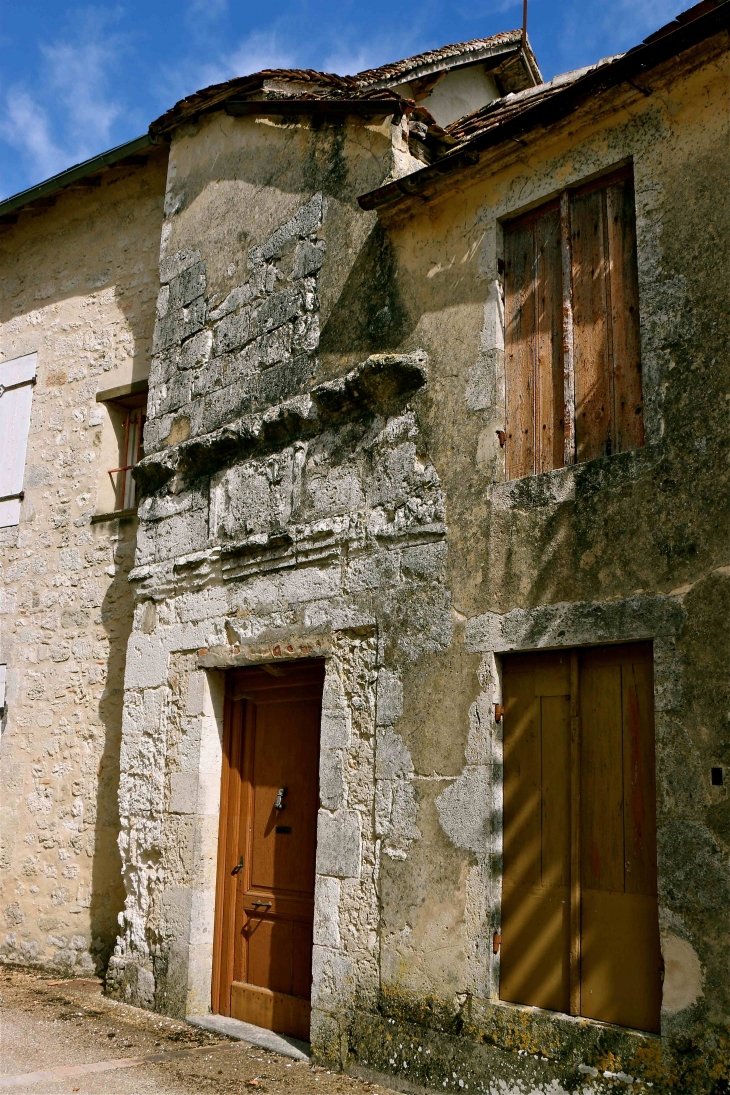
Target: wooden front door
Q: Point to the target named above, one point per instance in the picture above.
(269, 799)
(580, 929)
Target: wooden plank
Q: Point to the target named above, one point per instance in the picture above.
(549, 381)
(628, 410)
(601, 785)
(555, 805)
(639, 772)
(522, 777)
(566, 261)
(620, 968)
(620, 956)
(519, 251)
(593, 381)
(272, 1010)
(535, 921)
(575, 837)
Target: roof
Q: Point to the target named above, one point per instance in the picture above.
(374, 87)
(115, 157)
(436, 60)
(515, 114)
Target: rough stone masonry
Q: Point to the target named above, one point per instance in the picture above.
(324, 477)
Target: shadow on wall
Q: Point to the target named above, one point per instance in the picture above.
(107, 885)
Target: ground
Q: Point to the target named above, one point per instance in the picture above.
(49, 1024)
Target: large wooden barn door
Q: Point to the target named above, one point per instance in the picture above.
(269, 799)
(580, 929)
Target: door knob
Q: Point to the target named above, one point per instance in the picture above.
(279, 803)
(239, 865)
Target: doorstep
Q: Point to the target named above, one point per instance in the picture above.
(255, 1036)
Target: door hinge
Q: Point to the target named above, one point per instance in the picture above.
(498, 712)
(496, 942)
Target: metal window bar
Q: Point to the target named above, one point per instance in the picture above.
(126, 488)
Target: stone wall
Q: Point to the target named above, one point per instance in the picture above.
(631, 546)
(78, 287)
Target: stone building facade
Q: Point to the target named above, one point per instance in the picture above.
(324, 481)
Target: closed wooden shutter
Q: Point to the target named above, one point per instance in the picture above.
(572, 352)
(605, 306)
(534, 369)
(16, 392)
(579, 906)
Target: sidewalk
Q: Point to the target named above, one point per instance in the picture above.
(65, 1037)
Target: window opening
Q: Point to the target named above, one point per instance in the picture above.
(572, 352)
(124, 486)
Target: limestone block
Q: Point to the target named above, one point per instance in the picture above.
(327, 893)
(392, 759)
(196, 350)
(339, 844)
(331, 779)
(199, 969)
(310, 584)
(183, 792)
(304, 222)
(179, 324)
(233, 331)
(308, 258)
(389, 698)
(335, 729)
(146, 665)
(189, 284)
(173, 265)
(181, 537)
(202, 917)
(332, 977)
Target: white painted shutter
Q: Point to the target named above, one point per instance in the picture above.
(16, 394)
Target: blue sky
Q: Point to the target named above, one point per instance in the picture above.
(76, 80)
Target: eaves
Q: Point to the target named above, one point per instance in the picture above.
(75, 175)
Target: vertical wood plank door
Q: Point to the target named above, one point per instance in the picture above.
(267, 843)
(536, 877)
(609, 951)
(620, 957)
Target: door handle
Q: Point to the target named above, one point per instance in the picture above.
(239, 866)
(261, 904)
(279, 803)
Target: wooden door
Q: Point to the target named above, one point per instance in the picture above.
(580, 927)
(269, 801)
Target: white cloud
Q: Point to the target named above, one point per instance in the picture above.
(70, 113)
(26, 128)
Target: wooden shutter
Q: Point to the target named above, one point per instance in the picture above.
(572, 353)
(579, 907)
(533, 369)
(16, 391)
(605, 306)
